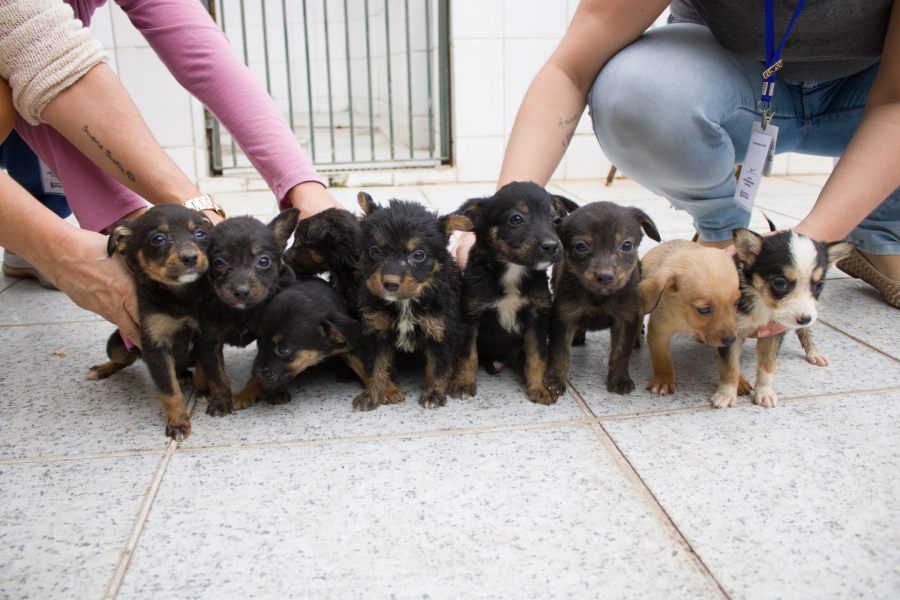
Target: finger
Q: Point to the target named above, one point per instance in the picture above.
(130, 331)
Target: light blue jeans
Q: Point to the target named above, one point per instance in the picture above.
(674, 111)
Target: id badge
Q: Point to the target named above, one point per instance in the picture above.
(50, 182)
(757, 162)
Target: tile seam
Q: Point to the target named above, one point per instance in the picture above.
(858, 340)
(631, 473)
(88, 456)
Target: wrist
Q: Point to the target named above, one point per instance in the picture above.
(310, 197)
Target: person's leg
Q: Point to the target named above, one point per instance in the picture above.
(674, 111)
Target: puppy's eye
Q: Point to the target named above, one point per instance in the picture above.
(704, 310)
(158, 240)
(516, 219)
(779, 284)
(374, 252)
(282, 350)
(627, 246)
(417, 256)
(582, 248)
(557, 220)
(264, 262)
(219, 265)
(200, 235)
(818, 287)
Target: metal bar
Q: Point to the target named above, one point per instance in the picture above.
(409, 92)
(287, 63)
(328, 77)
(265, 33)
(370, 94)
(444, 58)
(312, 129)
(387, 45)
(428, 58)
(349, 80)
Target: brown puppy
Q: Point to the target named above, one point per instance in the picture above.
(686, 288)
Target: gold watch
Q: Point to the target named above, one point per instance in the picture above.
(205, 202)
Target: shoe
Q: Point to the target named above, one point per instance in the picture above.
(858, 266)
(16, 266)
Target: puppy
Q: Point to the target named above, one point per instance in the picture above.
(245, 272)
(506, 296)
(328, 242)
(166, 251)
(303, 325)
(596, 287)
(689, 289)
(781, 277)
(409, 298)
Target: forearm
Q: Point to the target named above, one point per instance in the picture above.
(99, 118)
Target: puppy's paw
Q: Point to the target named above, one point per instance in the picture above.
(766, 397)
(539, 394)
(723, 398)
(101, 371)
(178, 429)
(278, 397)
(366, 402)
(219, 406)
(661, 385)
(432, 398)
(555, 383)
(460, 388)
(619, 383)
(743, 387)
(392, 394)
(494, 367)
(816, 357)
(244, 399)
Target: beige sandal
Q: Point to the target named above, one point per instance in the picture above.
(858, 266)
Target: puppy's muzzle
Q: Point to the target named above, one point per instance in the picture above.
(604, 277)
(551, 250)
(189, 258)
(804, 320)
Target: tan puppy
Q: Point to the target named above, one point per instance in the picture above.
(686, 288)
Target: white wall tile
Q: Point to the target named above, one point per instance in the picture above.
(522, 59)
(534, 19)
(477, 87)
(476, 19)
(126, 35)
(585, 160)
(479, 158)
(185, 158)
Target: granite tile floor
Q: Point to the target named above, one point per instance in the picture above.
(596, 496)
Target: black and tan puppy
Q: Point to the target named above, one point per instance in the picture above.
(166, 251)
(245, 272)
(328, 242)
(506, 295)
(596, 287)
(409, 299)
(303, 325)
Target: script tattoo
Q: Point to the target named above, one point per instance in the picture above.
(109, 154)
(568, 123)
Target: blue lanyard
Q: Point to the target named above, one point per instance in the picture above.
(773, 54)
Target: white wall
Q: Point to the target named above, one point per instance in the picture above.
(496, 48)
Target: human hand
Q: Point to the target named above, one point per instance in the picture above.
(97, 282)
(460, 250)
(311, 198)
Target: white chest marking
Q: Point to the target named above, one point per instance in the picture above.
(508, 305)
(406, 327)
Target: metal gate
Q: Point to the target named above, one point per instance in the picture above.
(363, 84)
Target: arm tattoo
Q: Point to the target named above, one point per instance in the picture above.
(108, 153)
(570, 124)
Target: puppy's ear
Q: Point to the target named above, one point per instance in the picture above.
(284, 225)
(837, 251)
(366, 203)
(454, 222)
(646, 223)
(119, 238)
(472, 209)
(651, 289)
(340, 329)
(564, 205)
(747, 245)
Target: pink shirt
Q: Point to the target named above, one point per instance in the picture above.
(197, 53)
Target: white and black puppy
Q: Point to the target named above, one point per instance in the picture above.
(781, 277)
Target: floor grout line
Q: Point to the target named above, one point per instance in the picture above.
(44, 323)
(630, 472)
(858, 340)
(118, 576)
(88, 456)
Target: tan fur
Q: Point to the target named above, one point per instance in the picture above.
(248, 395)
(678, 277)
(304, 360)
(535, 371)
(161, 328)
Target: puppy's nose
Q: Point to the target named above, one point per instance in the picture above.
(804, 319)
(604, 277)
(188, 259)
(550, 247)
(268, 374)
(242, 291)
(391, 286)
(727, 341)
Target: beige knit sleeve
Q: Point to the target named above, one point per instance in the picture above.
(43, 50)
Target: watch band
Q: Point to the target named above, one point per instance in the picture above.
(205, 202)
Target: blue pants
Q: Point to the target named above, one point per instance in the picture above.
(22, 165)
(674, 111)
